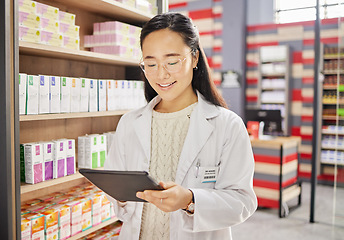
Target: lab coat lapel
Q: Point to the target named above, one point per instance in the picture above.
(199, 131)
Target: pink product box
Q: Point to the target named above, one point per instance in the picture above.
(29, 34)
(27, 6)
(49, 25)
(127, 2)
(30, 20)
(47, 11)
(114, 27)
(115, 50)
(96, 28)
(67, 17)
(108, 40)
(51, 38)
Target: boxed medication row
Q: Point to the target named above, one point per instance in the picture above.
(51, 94)
(149, 6)
(43, 161)
(62, 215)
(92, 151)
(111, 231)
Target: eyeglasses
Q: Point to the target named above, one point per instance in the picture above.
(171, 64)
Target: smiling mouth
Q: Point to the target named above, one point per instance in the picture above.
(167, 85)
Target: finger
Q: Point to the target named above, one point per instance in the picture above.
(140, 195)
(167, 185)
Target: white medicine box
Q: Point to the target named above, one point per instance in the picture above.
(54, 99)
(66, 85)
(43, 94)
(102, 95)
(75, 95)
(93, 100)
(32, 94)
(84, 94)
(22, 93)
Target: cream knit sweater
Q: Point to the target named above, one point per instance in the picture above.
(168, 134)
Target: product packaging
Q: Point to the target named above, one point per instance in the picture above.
(54, 98)
(66, 85)
(22, 93)
(43, 105)
(75, 95)
(102, 85)
(59, 158)
(48, 160)
(34, 170)
(84, 94)
(93, 100)
(70, 156)
(32, 94)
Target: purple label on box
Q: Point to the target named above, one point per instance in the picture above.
(122, 84)
(41, 80)
(38, 173)
(48, 170)
(37, 150)
(53, 81)
(61, 146)
(49, 148)
(60, 168)
(91, 84)
(101, 84)
(70, 144)
(70, 165)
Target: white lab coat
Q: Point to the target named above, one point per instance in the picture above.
(216, 137)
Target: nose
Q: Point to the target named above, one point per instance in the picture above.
(162, 72)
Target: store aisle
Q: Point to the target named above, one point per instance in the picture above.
(265, 223)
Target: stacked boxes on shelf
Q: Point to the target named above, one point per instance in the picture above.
(42, 161)
(148, 6)
(109, 232)
(115, 38)
(41, 23)
(62, 215)
(52, 94)
(276, 170)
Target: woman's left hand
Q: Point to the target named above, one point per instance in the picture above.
(174, 197)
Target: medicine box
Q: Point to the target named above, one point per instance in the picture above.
(66, 17)
(32, 94)
(102, 145)
(30, 20)
(110, 99)
(37, 225)
(34, 170)
(71, 43)
(48, 160)
(22, 162)
(54, 95)
(49, 25)
(64, 221)
(86, 218)
(27, 6)
(51, 38)
(59, 169)
(69, 30)
(105, 211)
(25, 229)
(47, 11)
(88, 155)
(84, 94)
(75, 95)
(29, 34)
(102, 86)
(43, 98)
(66, 85)
(51, 223)
(96, 208)
(76, 213)
(93, 97)
(70, 156)
(22, 93)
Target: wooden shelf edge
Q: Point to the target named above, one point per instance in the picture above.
(332, 148)
(333, 56)
(332, 133)
(331, 163)
(26, 188)
(55, 116)
(111, 8)
(93, 229)
(333, 72)
(80, 55)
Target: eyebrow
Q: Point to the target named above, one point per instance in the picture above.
(166, 55)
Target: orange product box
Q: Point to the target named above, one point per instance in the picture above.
(76, 214)
(64, 221)
(25, 229)
(36, 208)
(86, 214)
(37, 225)
(105, 210)
(253, 129)
(96, 208)
(51, 223)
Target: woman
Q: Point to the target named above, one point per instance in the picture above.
(186, 138)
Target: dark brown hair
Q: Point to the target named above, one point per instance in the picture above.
(182, 25)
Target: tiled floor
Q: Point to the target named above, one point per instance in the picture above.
(266, 225)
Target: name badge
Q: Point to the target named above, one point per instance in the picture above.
(209, 174)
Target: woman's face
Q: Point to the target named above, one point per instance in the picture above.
(162, 51)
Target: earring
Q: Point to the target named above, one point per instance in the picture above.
(195, 68)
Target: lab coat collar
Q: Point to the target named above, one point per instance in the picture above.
(195, 138)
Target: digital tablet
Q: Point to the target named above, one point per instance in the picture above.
(121, 185)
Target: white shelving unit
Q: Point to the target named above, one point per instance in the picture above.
(273, 84)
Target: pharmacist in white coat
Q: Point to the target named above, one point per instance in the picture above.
(186, 136)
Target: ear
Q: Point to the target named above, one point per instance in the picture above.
(195, 59)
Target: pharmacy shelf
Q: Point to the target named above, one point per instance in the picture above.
(331, 163)
(332, 148)
(332, 72)
(110, 8)
(331, 132)
(333, 56)
(333, 103)
(272, 102)
(24, 118)
(34, 49)
(93, 229)
(269, 75)
(26, 188)
(273, 88)
(330, 87)
(332, 118)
